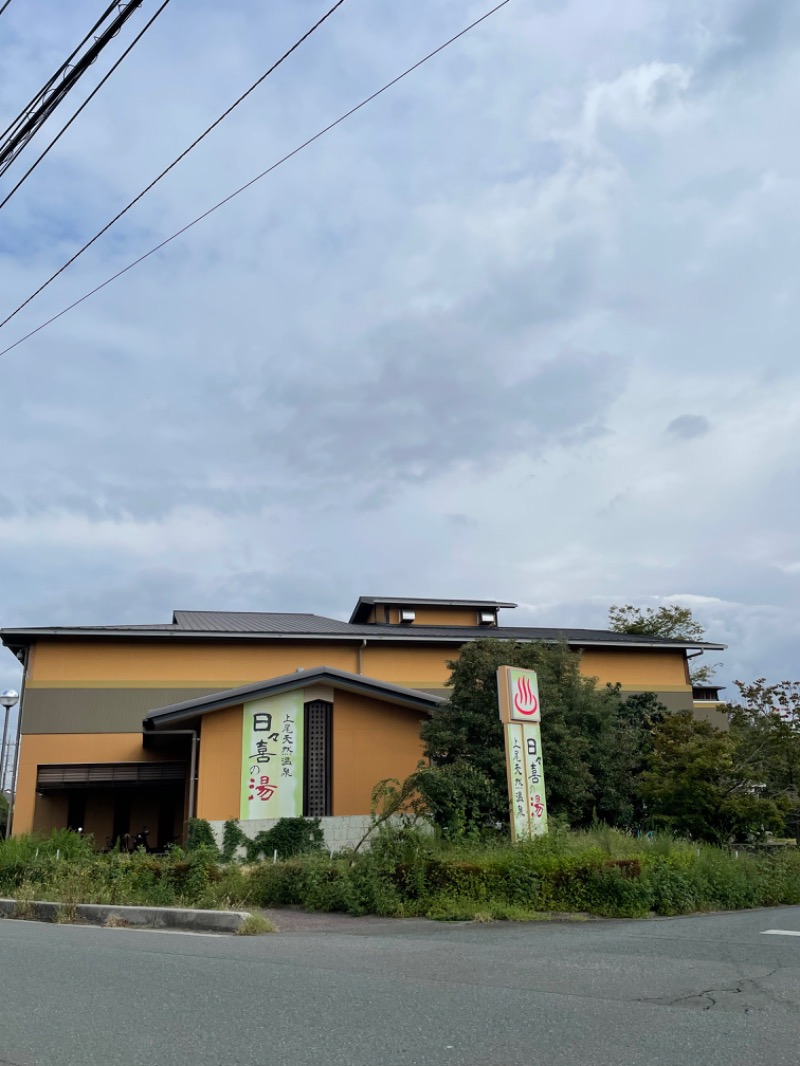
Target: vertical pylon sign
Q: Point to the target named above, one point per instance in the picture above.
(521, 715)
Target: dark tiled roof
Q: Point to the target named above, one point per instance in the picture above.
(254, 622)
(252, 625)
(319, 675)
(318, 625)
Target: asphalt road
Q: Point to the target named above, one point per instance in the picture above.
(712, 990)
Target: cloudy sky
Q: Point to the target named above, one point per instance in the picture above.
(526, 327)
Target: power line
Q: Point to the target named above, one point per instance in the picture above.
(26, 126)
(85, 104)
(175, 162)
(5, 5)
(242, 188)
(61, 70)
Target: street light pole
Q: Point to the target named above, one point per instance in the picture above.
(8, 699)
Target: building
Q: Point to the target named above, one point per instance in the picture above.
(262, 715)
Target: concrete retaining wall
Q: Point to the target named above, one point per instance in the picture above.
(341, 832)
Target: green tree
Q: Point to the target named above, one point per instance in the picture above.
(593, 740)
(671, 621)
(697, 782)
(765, 723)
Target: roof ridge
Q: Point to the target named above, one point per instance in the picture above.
(299, 614)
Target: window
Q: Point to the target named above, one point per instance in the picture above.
(317, 760)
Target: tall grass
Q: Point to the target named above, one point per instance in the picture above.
(600, 872)
(406, 873)
(65, 868)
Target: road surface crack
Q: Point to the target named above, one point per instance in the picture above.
(709, 998)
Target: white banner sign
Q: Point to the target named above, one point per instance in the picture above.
(272, 757)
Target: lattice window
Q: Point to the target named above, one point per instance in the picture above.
(317, 776)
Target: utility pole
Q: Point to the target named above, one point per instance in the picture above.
(8, 699)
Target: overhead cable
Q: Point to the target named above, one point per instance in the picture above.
(61, 70)
(85, 104)
(48, 100)
(257, 178)
(175, 162)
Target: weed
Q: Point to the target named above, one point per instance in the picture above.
(23, 905)
(255, 925)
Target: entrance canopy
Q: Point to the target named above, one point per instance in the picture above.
(109, 775)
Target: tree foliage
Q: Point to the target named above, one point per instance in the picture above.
(594, 741)
(697, 782)
(765, 723)
(670, 621)
(622, 761)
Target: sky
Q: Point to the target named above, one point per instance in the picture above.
(524, 328)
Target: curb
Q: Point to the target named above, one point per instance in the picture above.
(135, 917)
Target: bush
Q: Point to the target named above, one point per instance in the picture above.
(288, 837)
(408, 873)
(200, 835)
(232, 839)
(672, 890)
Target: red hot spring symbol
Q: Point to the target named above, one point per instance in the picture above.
(524, 700)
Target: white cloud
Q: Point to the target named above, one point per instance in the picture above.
(437, 353)
(650, 97)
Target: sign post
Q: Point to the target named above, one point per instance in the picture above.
(521, 715)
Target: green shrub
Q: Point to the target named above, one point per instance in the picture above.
(612, 894)
(407, 872)
(276, 884)
(200, 835)
(288, 837)
(232, 839)
(672, 890)
(332, 886)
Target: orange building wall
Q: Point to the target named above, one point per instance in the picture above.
(427, 616)
(660, 670)
(361, 756)
(453, 617)
(371, 741)
(170, 663)
(220, 765)
(43, 749)
(84, 664)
